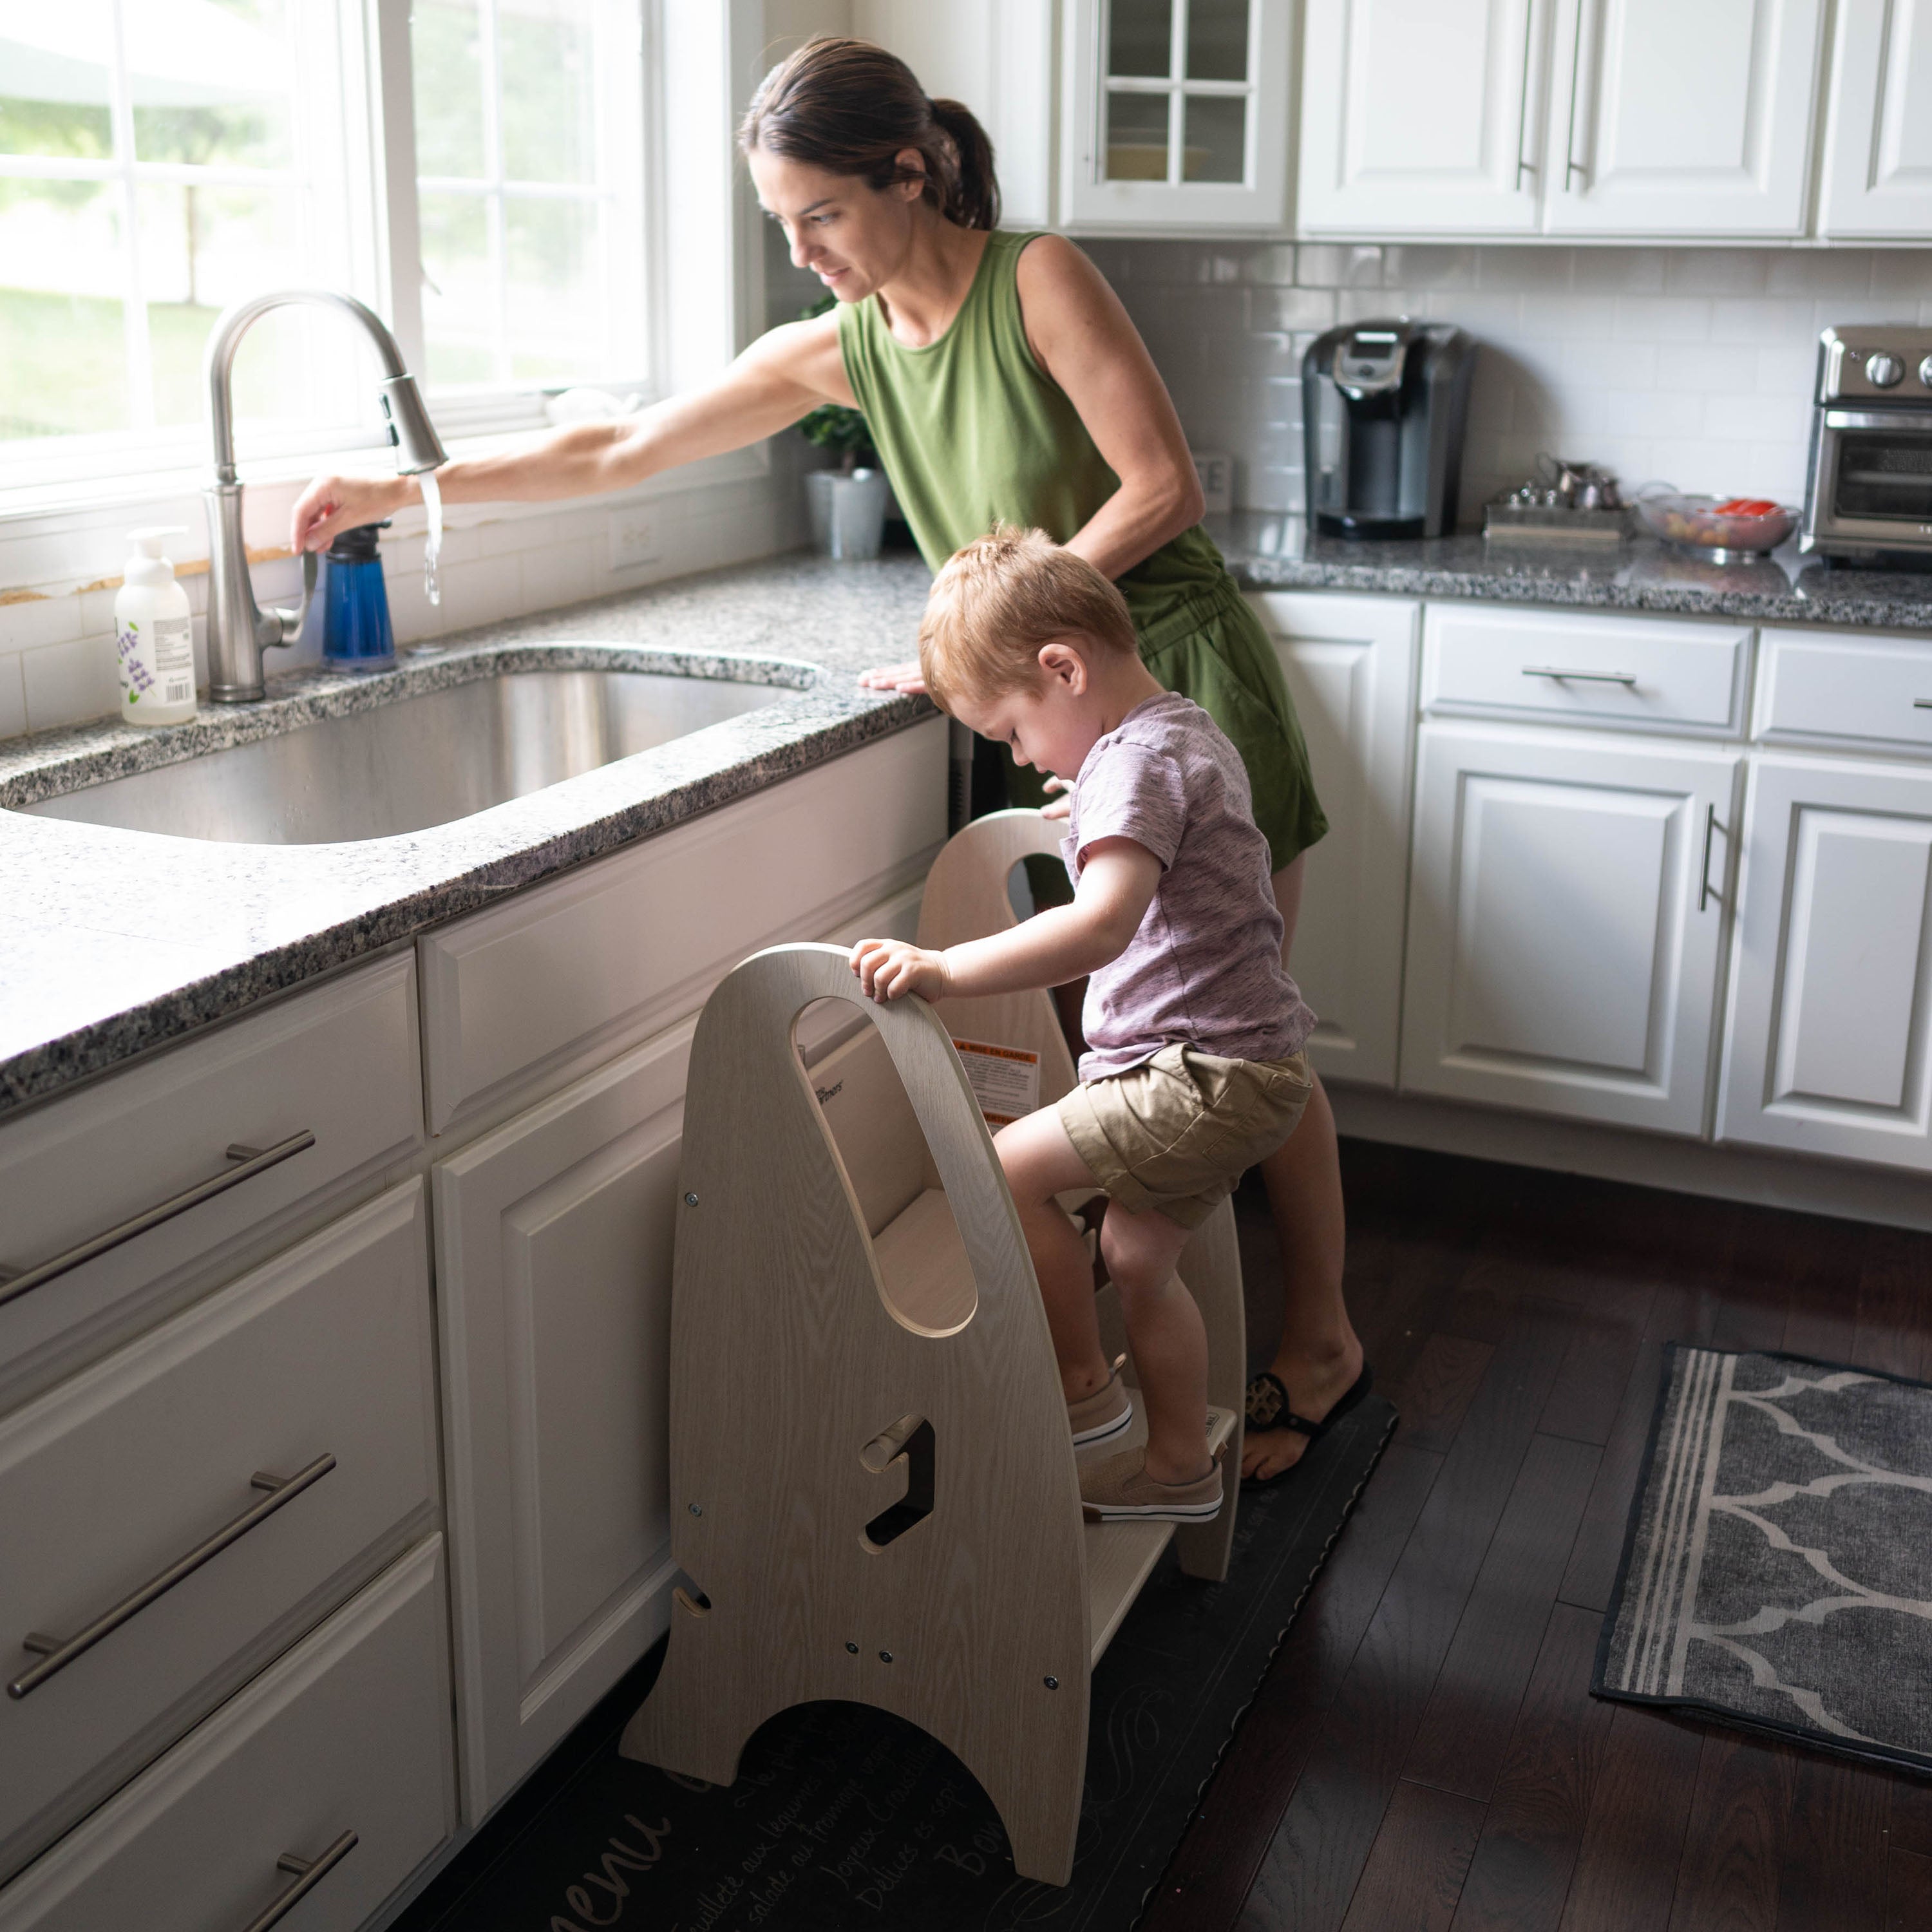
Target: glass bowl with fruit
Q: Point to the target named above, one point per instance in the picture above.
(1724, 529)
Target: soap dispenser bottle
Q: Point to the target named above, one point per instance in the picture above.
(154, 636)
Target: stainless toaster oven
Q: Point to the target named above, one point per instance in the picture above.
(1868, 491)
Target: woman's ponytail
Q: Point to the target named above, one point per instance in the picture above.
(851, 108)
(975, 199)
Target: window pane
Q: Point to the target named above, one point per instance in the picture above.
(1217, 137)
(1137, 137)
(202, 248)
(556, 307)
(63, 356)
(1217, 39)
(210, 86)
(54, 97)
(549, 97)
(1140, 37)
(459, 295)
(446, 53)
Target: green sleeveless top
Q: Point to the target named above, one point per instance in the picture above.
(974, 431)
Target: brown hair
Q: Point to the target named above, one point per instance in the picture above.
(1000, 600)
(853, 109)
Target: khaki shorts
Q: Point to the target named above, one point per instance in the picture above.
(1178, 1131)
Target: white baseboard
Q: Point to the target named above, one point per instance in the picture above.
(1765, 1180)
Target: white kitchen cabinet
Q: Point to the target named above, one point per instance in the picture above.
(1351, 666)
(337, 1754)
(1878, 140)
(998, 57)
(1566, 905)
(553, 1245)
(1423, 116)
(1676, 120)
(553, 1258)
(1175, 115)
(1831, 998)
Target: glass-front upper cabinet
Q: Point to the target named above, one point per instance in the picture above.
(1178, 112)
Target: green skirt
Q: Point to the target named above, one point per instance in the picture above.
(1214, 650)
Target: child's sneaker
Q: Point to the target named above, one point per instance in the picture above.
(1120, 1490)
(1106, 1412)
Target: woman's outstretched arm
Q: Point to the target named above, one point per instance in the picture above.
(782, 376)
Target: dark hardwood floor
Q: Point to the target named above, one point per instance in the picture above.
(1424, 1755)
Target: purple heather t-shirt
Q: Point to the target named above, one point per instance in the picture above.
(1204, 969)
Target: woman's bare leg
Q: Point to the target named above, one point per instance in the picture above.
(1319, 1356)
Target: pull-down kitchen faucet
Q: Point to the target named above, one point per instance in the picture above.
(238, 629)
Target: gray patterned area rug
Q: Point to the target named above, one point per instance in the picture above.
(1777, 1570)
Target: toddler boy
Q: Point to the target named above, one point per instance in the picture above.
(1195, 1069)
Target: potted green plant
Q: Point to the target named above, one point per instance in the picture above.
(847, 503)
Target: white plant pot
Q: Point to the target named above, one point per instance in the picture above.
(848, 511)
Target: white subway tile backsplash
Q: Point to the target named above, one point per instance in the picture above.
(34, 618)
(64, 683)
(12, 696)
(1694, 365)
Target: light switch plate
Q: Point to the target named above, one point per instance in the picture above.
(633, 538)
(1216, 469)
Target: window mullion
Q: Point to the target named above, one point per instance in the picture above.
(1177, 99)
(134, 309)
(493, 169)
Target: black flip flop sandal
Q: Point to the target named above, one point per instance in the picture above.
(1268, 1409)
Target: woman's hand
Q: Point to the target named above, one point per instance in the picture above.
(906, 678)
(889, 969)
(333, 503)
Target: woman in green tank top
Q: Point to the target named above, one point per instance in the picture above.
(1001, 380)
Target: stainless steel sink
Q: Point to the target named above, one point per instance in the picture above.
(413, 762)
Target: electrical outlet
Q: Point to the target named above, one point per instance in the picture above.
(633, 538)
(1216, 471)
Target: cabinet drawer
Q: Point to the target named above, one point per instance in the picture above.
(1598, 671)
(338, 1062)
(546, 985)
(109, 1480)
(1819, 687)
(348, 1733)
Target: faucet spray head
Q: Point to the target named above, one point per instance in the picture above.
(418, 446)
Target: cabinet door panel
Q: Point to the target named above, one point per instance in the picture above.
(554, 1254)
(1558, 956)
(1421, 116)
(1681, 120)
(1827, 1051)
(1878, 155)
(1350, 664)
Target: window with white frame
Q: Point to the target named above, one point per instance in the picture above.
(160, 159)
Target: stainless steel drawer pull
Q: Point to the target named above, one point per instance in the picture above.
(1626, 678)
(307, 1874)
(56, 1653)
(248, 1161)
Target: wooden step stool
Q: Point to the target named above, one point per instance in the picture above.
(873, 1490)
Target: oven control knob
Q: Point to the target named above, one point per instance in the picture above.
(1925, 372)
(1883, 371)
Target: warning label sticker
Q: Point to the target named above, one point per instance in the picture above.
(1006, 1079)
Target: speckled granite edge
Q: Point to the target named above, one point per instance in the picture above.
(115, 943)
(1266, 551)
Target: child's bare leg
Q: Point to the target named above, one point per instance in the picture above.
(1169, 1338)
(1039, 1162)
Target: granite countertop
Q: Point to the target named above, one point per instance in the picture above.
(1269, 552)
(112, 941)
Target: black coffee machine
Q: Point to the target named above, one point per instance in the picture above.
(1383, 405)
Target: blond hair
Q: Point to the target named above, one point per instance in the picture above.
(1000, 600)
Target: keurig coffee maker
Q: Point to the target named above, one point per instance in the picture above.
(1383, 407)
